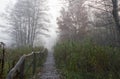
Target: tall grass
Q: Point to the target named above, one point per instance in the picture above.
(87, 60)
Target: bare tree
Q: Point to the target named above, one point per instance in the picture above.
(24, 19)
(73, 21)
(106, 16)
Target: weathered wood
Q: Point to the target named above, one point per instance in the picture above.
(18, 69)
(2, 60)
(34, 63)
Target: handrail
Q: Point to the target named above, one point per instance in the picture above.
(18, 69)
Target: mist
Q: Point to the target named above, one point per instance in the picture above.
(60, 39)
(51, 14)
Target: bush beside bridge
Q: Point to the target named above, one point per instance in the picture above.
(87, 60)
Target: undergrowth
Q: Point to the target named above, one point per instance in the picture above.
(87, 60)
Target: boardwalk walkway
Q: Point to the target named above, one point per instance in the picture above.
(49, 71)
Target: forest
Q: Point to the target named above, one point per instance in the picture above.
(69, 39)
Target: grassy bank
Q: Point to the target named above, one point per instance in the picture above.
(87, 61)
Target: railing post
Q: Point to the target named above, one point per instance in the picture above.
(2, 60)
(22, 70)
(34, 63)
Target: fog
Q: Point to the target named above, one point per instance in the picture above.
(54, 10)
(54, 7)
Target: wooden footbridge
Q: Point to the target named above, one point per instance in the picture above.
(22, 68)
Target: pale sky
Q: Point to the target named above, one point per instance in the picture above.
(54, 12)
(3, 4)
(4, 37)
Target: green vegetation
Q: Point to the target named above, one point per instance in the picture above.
(87, 60)
(13, 55)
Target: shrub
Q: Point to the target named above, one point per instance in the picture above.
(87, 60)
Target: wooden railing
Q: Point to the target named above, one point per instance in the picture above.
(18, 71)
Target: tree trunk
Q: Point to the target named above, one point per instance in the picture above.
(115, 13)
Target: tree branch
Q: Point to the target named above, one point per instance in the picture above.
(99, 8)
